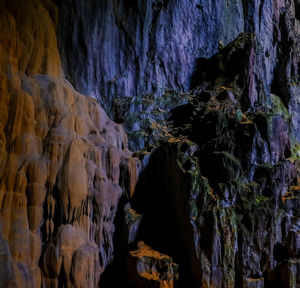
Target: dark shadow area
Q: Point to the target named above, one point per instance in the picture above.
(297, 9)
(115, 274)
(232, 66)
(162, 196)
(58, 3)
(280, 82)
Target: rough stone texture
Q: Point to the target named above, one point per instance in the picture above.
(127, 52)
(218, 192)
(28, 38)
(151, 45)
(226, 190)
(132, 223)
(149, 268)
(61, 159)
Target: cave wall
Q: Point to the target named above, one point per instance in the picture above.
(61, 161)
(208, 93)
(153, 47)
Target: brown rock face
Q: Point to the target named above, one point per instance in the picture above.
(28, 38)
(149, 268)
(59, 165)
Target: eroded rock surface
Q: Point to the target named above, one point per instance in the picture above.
(218, 191)
(60, 162)
(153, 47)
(149, 268)
(226, 194)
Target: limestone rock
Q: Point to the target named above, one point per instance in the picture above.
(149, 268)
(28, 41)
(208, 92)
(62, 167)
(60, 161)
(226, 192)
(153, 47)
(132, 223)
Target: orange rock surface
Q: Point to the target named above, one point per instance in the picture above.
(60, 158)
(150, 268)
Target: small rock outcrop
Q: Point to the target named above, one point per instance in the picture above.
(149, 268)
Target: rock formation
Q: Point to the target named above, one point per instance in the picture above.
(153, 46)
(149, 268)
(61, 162)
(209, 95)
